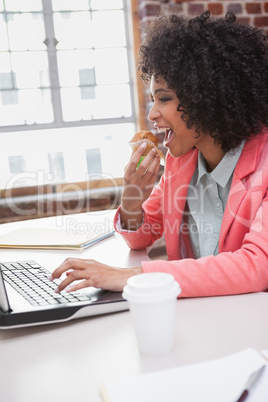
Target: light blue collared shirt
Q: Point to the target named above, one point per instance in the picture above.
(206, 199)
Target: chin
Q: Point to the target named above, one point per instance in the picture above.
(175, 154)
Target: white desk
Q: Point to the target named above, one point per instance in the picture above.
(66, 362)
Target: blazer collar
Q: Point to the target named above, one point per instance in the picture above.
(246, 165)
(250, 155)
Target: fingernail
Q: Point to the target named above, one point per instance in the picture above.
(50, 278)
(143, 145)
(56, 290)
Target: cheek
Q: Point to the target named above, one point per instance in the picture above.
(183, 143)
(182, 133)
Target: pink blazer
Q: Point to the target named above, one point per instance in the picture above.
(242, 263)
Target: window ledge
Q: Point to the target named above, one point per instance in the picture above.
(39, 205)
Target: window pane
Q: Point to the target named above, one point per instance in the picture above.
(94, 164)
(106, 4)
(74, 108)
(17, 164)
(73, 30)
(7, 80)
(89, 81)
(9, 98)
(25, 5)
(56, 166)
(114, 22)
(25, 107)
(70, 64)
(111, 66)
(112, 101)
(64, 152)
(26, 31)
(6, 75)
(59, 5)
(87, 76)
(37, 107)
(31, 69)
(109, 102)
(3, 34)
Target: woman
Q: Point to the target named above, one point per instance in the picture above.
(208, 80)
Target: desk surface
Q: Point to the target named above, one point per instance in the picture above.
(68, 361)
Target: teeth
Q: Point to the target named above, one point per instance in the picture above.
(163, 129)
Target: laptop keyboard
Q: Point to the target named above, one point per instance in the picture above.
(31, 281)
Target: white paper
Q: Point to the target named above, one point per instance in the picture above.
(219, 380)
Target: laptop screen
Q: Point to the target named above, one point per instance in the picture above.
(4, 304)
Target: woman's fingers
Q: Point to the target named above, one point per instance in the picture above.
(135, 157)
(153, 168)
(69, 263)
(138, 184)
(72, 277)
(132, 165)
(149, 164)
(76, 270)
(92, 273)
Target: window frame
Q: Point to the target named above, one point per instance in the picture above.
(51, 42)
(48, 193)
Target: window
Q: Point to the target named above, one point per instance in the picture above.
(66, 91)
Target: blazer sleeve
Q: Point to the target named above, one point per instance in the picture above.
(152, 227)
(242, 271)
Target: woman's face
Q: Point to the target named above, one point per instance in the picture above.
(178, 138)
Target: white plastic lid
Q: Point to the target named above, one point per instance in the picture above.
(151, 287)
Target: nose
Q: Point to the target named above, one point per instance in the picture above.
(153, 113)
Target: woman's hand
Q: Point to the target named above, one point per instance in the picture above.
(92, 273)
(138, 185)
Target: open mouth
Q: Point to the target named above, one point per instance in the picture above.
(168, 137)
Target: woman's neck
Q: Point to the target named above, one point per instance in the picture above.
(212, 154)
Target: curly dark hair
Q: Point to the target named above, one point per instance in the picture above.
(218, 69)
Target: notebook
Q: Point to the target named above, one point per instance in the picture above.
(27, 297)
(52, 238)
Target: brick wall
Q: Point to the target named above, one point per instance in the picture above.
(254, 13)
(250, 12)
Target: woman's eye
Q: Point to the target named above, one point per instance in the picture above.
(164, 99)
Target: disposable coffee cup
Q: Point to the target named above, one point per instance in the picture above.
(152, 302)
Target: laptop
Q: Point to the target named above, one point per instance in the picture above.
(27, 298)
